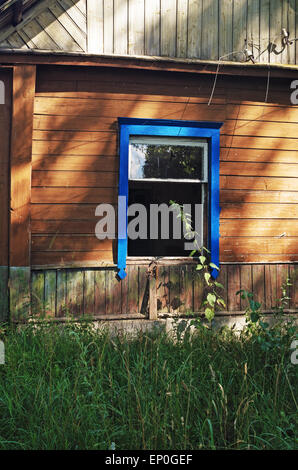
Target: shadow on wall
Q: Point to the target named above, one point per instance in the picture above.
(75, 168)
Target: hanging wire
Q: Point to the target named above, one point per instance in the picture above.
(286, 42)
(217, 72)
(271, 47)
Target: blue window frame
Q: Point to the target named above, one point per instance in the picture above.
(170, 128)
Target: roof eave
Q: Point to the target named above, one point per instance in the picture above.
(21, 56)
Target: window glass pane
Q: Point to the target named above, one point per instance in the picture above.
(154, 160)
(161, 194)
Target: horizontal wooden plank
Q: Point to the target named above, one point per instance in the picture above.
(258, 97)
(261, 245)
(229, 71)
(229, 257)
(96, 78)
(101, 108)
(69, 226)
(258, 155)
(121, 90)
(138, 85)
(63, 211)
(73, 195)
(259, 169)
(74, 123)
(259, 211)
(99, 84)
(228, 246)
(75, 179)
(83, 136)
(254, 112)
(264, 128)
(77, 163)
(107, 94)
(147, 96)
(258, 142)
(72, 259)
(240, 196)
(70, 243)
(258, 227)
(65, 147)
(259, 183)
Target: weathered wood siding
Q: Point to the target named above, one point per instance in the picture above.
(98, 293)
(50, 25)
(199, 29)
(75, 158)
(5, 124)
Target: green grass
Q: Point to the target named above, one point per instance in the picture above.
(74, 388)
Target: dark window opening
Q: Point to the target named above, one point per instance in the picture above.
(162, 193)
(164, 169)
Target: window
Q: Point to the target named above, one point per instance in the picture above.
(161, 170)
(163, 161)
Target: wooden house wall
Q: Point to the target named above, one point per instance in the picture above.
(75, 167)
(75, 158)
(195, 29)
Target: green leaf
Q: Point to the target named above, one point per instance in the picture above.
(193, 253)
(221, 302)
(244, 294)
(254, 305)
(202, 259)
(212, 265)
(218, 284)
(211, 299)
(254, 317)
(207, 277)
(199, 267)
(209, 314)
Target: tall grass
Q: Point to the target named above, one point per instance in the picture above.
(72, 387)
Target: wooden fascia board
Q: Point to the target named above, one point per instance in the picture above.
(147, 63)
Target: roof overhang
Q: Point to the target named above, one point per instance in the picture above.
(166, 64)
